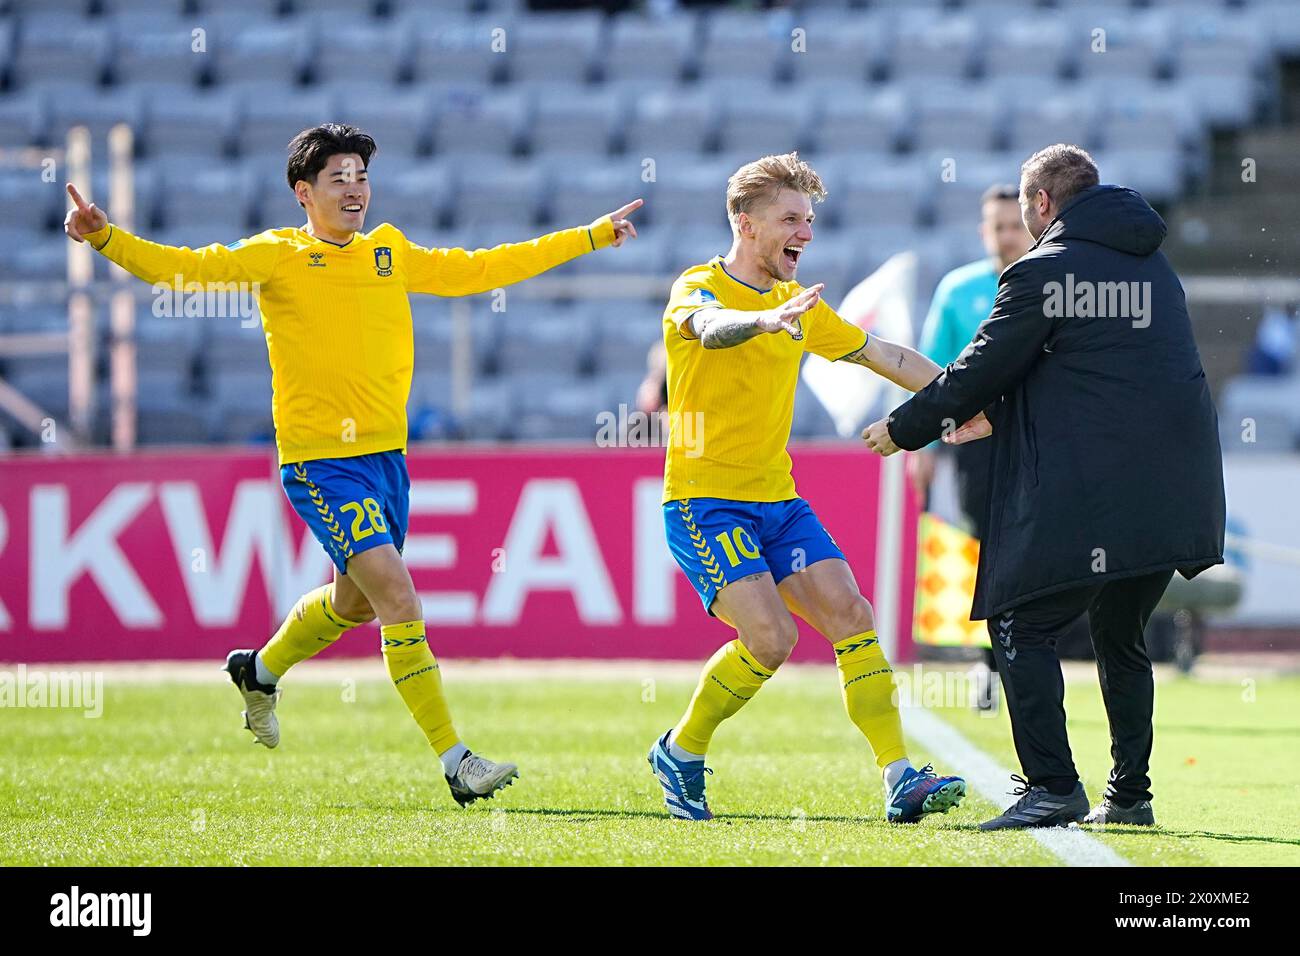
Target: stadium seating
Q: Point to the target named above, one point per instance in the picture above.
(496, 122)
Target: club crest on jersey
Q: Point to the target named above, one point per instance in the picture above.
(383, 260)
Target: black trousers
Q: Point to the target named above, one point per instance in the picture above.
(1024, 643)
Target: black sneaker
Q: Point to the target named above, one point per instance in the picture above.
(1038, 807)
(1139, 814)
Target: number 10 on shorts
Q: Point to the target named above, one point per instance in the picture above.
(738, 540)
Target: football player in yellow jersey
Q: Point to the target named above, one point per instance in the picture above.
(337, 321)
(736, 329)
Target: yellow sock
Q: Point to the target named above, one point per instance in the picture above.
(311, 627)
(868, 683)
(415, 675)
(731, 677)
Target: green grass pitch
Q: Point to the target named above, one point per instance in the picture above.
(168, 776)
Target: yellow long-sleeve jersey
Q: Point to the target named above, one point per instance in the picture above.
(337, 319)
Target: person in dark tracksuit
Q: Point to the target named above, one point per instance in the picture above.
(1107, 475)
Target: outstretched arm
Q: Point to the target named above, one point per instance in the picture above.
(901, 365)
(251, 261)
(451, 272)
(719, 328)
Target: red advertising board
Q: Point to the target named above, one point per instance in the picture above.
(521, 551)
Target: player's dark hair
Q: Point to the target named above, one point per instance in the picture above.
(999, 191)
(1060, 170)
(311, 149)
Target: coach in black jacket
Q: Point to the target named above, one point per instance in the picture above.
(1106, 474)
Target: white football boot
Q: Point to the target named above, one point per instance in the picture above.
(477, 778)
(259, 699)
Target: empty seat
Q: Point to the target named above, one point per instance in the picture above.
(471, 120)
(852, 119)
(367, 51)
(746, 47)
(1119, 44)
(1157, 171)
(577, 195)
(840, 50)
(99, 110)
(24, 116)
(689, 191)
(215, 194)
(642, 48)
(162, 387)
(877, 195)
(153, 8)
(1275, 20)
(956, 202)
(647, 255)
(29, 200)
(62, 46)
(694, 245)
(1068, 116)
(574, 119)
(400, 119)
(624, 333)
(491, 411)
(451, 49)
(951, 116)
(529, 345)
(556, 47)
(268, 54)
(502, 191)
(671, 120)
(200, 124)
(158, 49)
(1139, 115)
(933, 47)
(563, 410)
(35, 316)
(267, 122)
(409, 198)
(33, 254)
(774, 120)
(43, 379)
(1027, 45)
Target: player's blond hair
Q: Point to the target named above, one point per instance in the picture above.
(760, 181)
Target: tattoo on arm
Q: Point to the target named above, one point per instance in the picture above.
(903, 366)
(858, 358)
(723, 328)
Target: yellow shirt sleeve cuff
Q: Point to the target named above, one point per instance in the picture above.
(601, 232)
(99, 238)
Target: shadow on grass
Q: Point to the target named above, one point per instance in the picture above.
(1192, 835)
(662, 815)
(1201, 729)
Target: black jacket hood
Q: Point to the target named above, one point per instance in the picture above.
(1111, 216)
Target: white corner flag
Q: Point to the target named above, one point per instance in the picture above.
(881, 305)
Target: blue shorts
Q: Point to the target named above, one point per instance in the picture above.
(351, 504)
(717, 541)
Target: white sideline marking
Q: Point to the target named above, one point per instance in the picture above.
(1073, 847)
